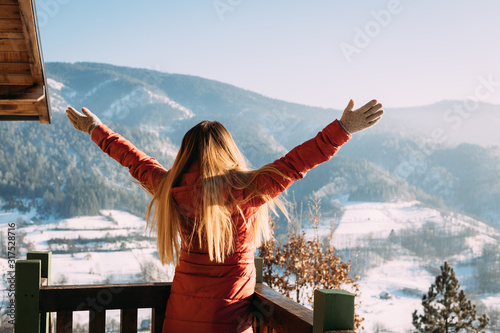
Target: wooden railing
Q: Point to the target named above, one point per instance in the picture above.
(36, 300)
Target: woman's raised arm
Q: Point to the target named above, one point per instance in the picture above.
(296, 163)
(141, 166)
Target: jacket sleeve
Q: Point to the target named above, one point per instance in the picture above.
(296, 163)
(142, 167)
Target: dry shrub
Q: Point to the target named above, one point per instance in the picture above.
(299, 266)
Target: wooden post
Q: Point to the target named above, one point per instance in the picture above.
(46, 264)
(259, 262)
(46, 261)
(333, 310)
(27, 296)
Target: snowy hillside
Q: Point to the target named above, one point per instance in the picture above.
(93, 249)
(395, 269)
(114, 247)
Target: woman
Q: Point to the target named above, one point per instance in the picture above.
(210, 211)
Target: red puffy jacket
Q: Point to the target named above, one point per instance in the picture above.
(207, 296)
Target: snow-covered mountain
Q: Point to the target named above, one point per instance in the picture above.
(409, 143)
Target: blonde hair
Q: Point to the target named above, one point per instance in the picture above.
(222, 170)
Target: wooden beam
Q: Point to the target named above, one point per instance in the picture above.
(16, 79)
(27, 295)
(46, 264)
(97, 321)
(43, 111)
(9, 11)
(128, 321)
(17, 68)
(11, 26)
(157, 318)
(35, 55)
(13, 45)
(10, 117)
(31, 38)
(64, 322)
(45, 258)
(31, 95)
(100, 297)
(16, 57)
(8, 2)
(11, 35)
(280, 312)
(18, 110)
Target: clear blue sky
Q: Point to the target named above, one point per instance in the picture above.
(321, 52)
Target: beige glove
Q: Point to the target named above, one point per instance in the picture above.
(85, 122)
(366, 116)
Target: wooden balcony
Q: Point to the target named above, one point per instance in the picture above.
(36, 300)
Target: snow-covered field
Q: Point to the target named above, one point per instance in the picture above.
(405, 278)
(130, 252)
(132, 260)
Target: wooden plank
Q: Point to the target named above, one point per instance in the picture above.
(45, 258)
(11, 26)
(97, 321)
(18, 118)
(8, 2)
(43, 111)
(34, 50)
(27, 286)
(280, 312)
(11, 35)
(16, 79)
(113, 296)
(13, 45)
(128, 321)
(64, 322)
(29, 24)
(16, 110)
(28, 95)
(18, 68)
(16, 57)
(9, 11)
(157, 317)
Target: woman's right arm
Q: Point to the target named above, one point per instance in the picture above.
(147, 170)
(142, 167)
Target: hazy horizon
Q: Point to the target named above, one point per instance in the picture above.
(358, 102)
(401, 52)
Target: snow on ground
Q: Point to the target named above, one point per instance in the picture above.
(363, 220)
(9, 217)
(379, 219)
(404, 278)
(102, 263)
(405, 282)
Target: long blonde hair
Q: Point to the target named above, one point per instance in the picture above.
(222, 170)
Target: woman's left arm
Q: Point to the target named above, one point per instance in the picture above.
(141, 166)
(317, 150)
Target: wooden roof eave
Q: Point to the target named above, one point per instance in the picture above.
(23, 88)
